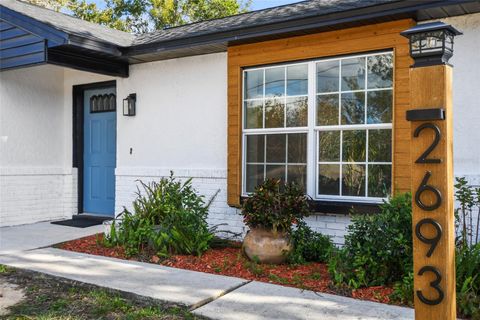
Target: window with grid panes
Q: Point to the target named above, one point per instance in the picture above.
(324, 124)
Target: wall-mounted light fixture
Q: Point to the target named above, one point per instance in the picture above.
(129, 105)
(431, 43)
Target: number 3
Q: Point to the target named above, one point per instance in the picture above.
(434, 284)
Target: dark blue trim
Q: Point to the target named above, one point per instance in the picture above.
(20, 41)
(12, 33)
(5, 26)
(78, 113)
(25, 42)
(73, 58)
(53, 36)
(19, 48)
(22, 61)
(27, 49)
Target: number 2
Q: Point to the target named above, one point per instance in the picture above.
(438, 135)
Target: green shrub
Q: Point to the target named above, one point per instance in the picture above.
(309, 246)
(160, 201)
(467, 225)
(378, 247)
(403, 290)
(468, 281)
(467, 278)
(168, 217)
(275, 206)
(132, 232)
(468, 250)
(378, 251)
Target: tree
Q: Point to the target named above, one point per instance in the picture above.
(140, 16)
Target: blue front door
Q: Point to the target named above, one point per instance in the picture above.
(99, 155)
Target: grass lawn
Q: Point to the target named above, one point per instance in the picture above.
(48, 297)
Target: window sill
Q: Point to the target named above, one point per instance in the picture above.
(343, 207)
(339, 207)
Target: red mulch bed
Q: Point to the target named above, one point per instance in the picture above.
(231, 262)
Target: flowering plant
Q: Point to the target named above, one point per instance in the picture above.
(275, 206)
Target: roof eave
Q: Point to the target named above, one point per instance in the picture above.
(56, 37)
(399, 9)
(53, 36)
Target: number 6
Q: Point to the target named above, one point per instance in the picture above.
(424, 187)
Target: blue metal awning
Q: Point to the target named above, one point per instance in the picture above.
(25, 42)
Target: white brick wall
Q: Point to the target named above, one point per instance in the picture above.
(332, 225)
(207, 182)
(29, 195)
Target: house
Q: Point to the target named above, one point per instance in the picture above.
(313, 92)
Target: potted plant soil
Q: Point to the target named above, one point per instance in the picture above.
(270, 212)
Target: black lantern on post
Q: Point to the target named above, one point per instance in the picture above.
(431, 43)
(129, 105)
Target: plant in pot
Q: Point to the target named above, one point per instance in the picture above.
(269, 212)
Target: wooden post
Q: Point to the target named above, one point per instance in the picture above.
(432, 191)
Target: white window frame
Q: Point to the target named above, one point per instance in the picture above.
(313, 130)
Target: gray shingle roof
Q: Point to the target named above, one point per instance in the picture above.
(242, 25)
(284, 13)
(87, 29)
(71, 25)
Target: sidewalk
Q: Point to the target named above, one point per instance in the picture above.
(40, 235)
(214, 296)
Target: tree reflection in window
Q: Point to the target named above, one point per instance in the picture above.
(352, 102)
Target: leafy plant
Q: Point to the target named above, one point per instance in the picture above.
(378, 251)
(132, 232)
(275, 206)
(254, 266)
(468, 230)
(468, 248)
(160, 201)
(378, 247)
(168, 217)
(468, 281)
(403, 290)
(309, 246)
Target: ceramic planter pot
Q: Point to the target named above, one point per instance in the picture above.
(267, 246)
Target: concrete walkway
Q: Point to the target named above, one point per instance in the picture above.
(169, 284)
(263, 301)
(214, 296)
(40, 235)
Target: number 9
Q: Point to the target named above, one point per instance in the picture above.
(431, 241)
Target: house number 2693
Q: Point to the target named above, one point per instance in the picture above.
(437, 202)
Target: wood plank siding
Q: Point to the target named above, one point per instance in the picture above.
(328, 44)
(19, 47)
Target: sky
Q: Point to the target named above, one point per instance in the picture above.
(256, 4)
(262, 4)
